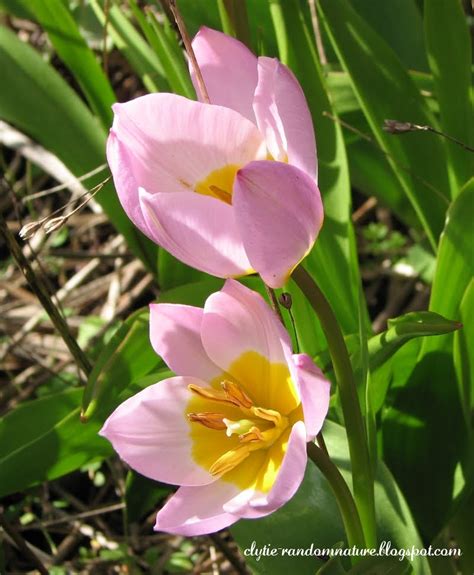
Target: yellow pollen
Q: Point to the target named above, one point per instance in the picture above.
(231, 393)
(230, 459)
(236, 394)
(260, 432)
(268, 414)
(253, 435)
(219, 183)
(240, 432)
(208, 419)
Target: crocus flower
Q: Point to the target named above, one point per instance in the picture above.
(231, 428)
(228, 188)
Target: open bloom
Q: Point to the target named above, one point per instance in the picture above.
(228, 188)
(232, 427)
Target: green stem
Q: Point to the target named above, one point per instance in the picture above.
(345, 502)
(362, 475)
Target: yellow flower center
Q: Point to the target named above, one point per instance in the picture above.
(218, 184)
(234, 436)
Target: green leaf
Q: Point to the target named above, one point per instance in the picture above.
(142, 495)
(461, 529)
(206, 13)
(464, 352)
(345, 100)
(62, 30)
(427, 416)
(39, 102)
(389, 19)
(234, 18)
(312, 518)
(173, 273)
(455, 266)
(332, 567)
(333, 258)
(127, 357)
(132, 45)
(402, 329)
(194, 293)
(450, 56)
(44, 439)
(382, 566)
(386, 91)
(128, 362)
(171, 55)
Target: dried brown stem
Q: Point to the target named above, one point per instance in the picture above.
(189, 50)
(39, 287)
(22, 545)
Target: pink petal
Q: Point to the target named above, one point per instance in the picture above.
(286, 484)
(166, 143)
(195, 511)
(121, 166)
(315, 392)
(175, 334)
(279, 213)
(283, 116)
(198, 230)
(205, 509)
(150, 432)
(229, 70)
(237, 320)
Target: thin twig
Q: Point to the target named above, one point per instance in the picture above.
(367, 138)
(395, 127)
(189, 50)
(229, 553)
(38, 285)
(68, 184)
(364, 208)
(317, 32)
(22, 545)
(78, 516)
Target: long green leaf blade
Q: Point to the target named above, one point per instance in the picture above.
(385, 91)
(71, 47)
(333, 259)
(40, 103)
(450, 57)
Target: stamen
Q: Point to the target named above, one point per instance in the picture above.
(229, 460)
(236, 394)
(208, 419)
(268, 414)
(209, 393)
(221, 194)
(253, 435)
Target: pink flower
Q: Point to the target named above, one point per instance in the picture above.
(231, 428)
(228, 188)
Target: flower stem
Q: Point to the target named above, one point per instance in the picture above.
(345, 502)
(362, 474)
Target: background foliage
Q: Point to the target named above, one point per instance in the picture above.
(399, 212)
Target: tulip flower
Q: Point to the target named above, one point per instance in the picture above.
(229, 187)
(231, 428)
